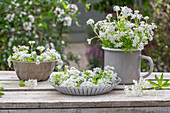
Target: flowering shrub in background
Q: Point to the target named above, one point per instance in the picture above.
(74, 78)
(159, 48)
(21, 53)
(41, 20)
(128, 32)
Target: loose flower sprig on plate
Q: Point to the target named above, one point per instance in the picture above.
(1, 88)
(22, 53)
(74, 78)
(130, 31)
(146, 86)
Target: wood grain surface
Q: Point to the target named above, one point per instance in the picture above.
(45, 99)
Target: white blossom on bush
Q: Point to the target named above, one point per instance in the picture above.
(43, 21)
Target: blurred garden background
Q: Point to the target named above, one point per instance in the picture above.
(61, 24)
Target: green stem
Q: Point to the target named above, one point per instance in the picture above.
(94, 30)
(31, 47)
(117, 15)
(9, 83)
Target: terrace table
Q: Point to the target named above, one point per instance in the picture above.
(45, 99)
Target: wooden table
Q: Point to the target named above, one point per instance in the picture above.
(44, 99)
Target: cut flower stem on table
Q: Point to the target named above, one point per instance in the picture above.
(146, 86)
(22, 83)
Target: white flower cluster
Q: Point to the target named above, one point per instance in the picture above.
(127, 32)
(21, 53)
(31, 83)
(58, 12)
(72, 9)
(49, 55)
(74, 78)
(61, 14)
(137, 88)
(10, 17)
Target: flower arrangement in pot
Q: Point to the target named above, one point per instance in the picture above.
(122, 41)
(30, 65)
(74, 82)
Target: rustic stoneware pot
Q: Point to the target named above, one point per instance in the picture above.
(127, 65)
(30, 70)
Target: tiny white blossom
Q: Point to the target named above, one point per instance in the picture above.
(109, 16)
(67, 21)
(116, 8)
(41, 48)
(146, 17)
(72, 9)
(89, 41)
(90, 21)
(31, 83)
(31, 42)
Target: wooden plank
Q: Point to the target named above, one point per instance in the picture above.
(152, 76)
(94, 110)
(8, 76)
(128, 110)
(42, 86)
(40, 111)
(54, 99)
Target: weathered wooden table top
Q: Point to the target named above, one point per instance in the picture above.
(44, 98)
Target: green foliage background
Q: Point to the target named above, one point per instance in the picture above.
(46, 30)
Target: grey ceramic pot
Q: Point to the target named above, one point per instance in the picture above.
(30, 70)
(127, 66)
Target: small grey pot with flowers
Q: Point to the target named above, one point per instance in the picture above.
(123, 40)
(30, 65)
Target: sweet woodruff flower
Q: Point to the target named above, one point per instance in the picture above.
(116, 8)
(89, 41)
(31, 42)
(90, 21)
(137, 88)
(40, 48)
(123, 33)
(74, 78)
(21, 53)
(31, 83)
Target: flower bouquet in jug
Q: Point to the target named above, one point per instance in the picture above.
(122, 41)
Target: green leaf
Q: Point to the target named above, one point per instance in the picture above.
(161, 79)
(64, 5)
(157, 79)
(35, 57)
(153, 83)
(29, 60)
(1, 94)
(130, 51)
(126, 51)
(164, 84)
(1, 88)
(88, 7)
(22, 83)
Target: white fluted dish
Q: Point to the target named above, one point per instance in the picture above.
(84, 90)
